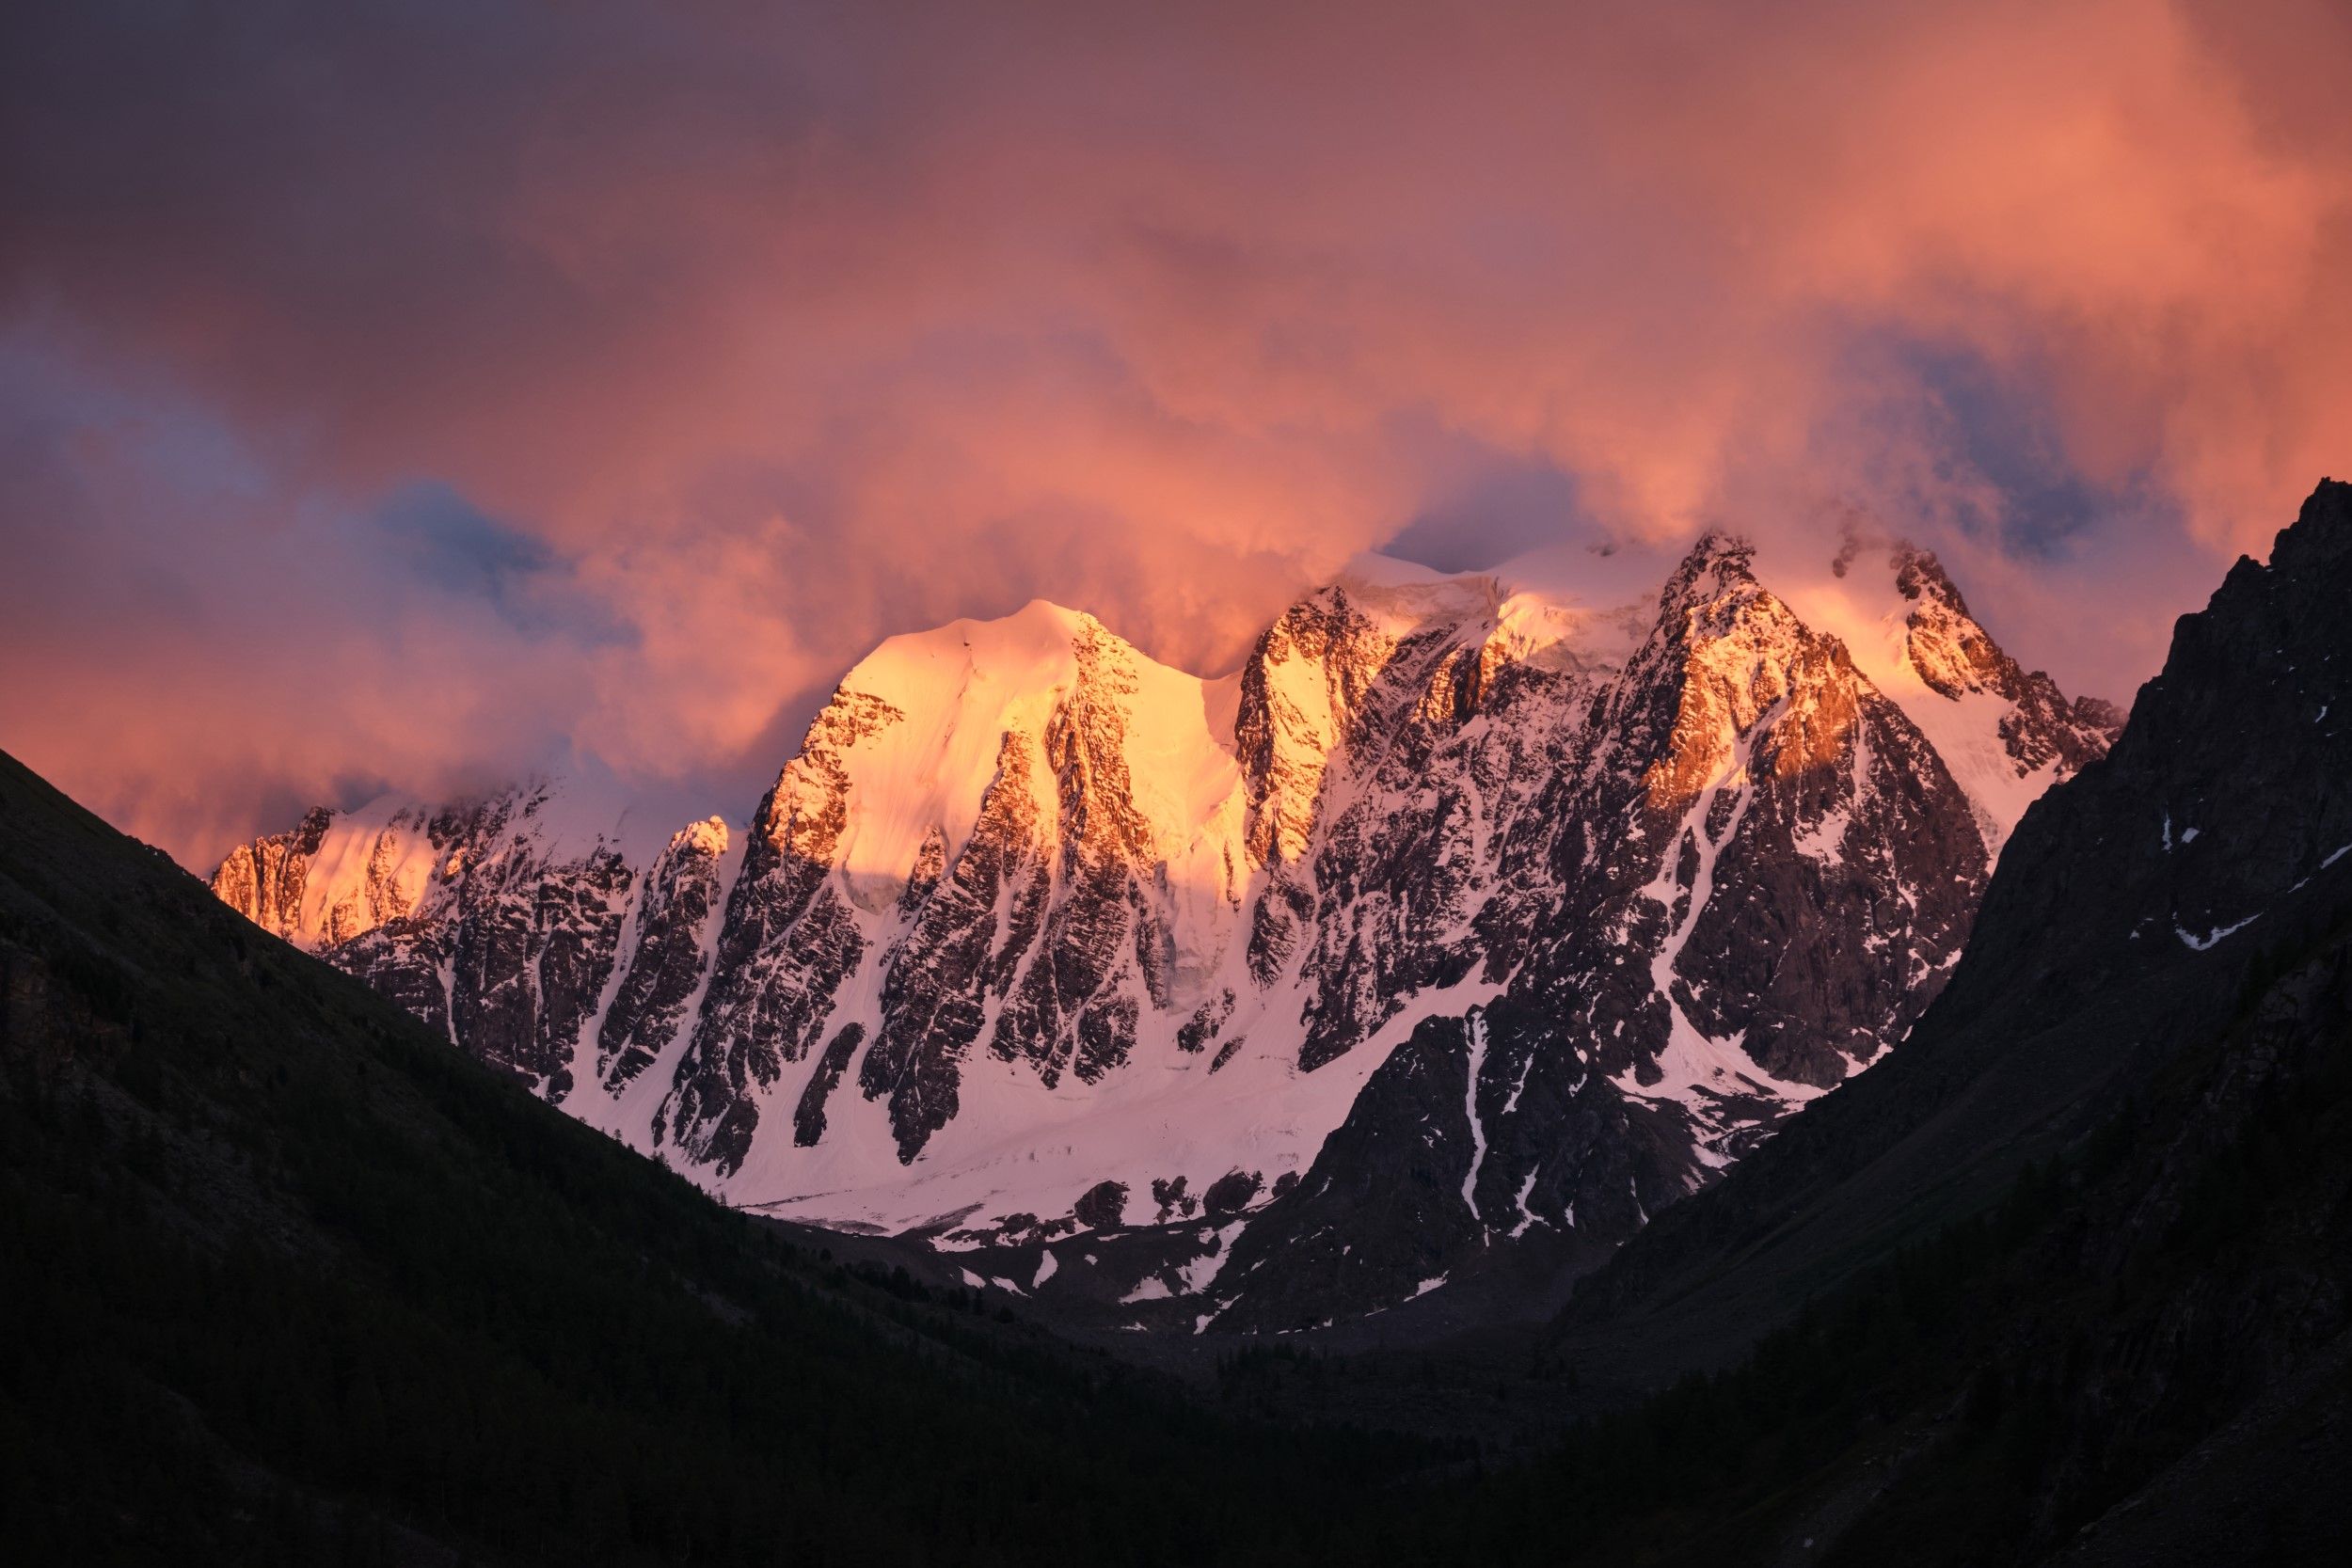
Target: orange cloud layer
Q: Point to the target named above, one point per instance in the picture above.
(738, 343)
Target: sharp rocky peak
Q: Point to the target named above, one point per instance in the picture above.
(1718, 561)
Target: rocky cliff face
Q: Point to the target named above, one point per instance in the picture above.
(664, 975)
(1464, 920)
(484, 918)
(264, 880)
(1743, 879)
(1955, 659)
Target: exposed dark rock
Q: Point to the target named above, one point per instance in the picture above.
(787, 943)
(1231, 1193)
(667, 963)
(1101, 1206)
(808, 1117)
(2120, 1128)
(1677, 913)
(1206, 1021)
(940, 978)
(1171, 1197)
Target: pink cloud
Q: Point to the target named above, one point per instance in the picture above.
(780, 336)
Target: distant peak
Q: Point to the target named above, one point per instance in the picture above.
(706, 837)
(1719, 561)
(1372, 572)
(312, 832)
(1721, 542)
(1038, 617)
(1918, 575)
(1039, 628)
(1400, 595)
(1038, 614)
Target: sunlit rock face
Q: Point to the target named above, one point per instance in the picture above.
(1466, 920)
(1741, 877)
(489, 919)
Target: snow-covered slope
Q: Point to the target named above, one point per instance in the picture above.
(1037, 935)
(2007, 735)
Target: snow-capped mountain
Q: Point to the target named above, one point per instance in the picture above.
(1470, 918)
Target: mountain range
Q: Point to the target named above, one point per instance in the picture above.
(1468, 926)
(2065, 1277)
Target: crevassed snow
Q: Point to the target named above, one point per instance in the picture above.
(1569, 606)
(1405, 596)
(1593, 576)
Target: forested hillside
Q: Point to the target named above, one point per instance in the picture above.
(287, 1281)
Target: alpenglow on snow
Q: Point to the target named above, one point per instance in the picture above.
(1527, 909)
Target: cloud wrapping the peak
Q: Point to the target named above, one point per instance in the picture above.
(408, 393)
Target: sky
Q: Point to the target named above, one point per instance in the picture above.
(405, 397)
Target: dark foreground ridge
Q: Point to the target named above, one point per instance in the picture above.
(2082, 1250)
(286, 1280)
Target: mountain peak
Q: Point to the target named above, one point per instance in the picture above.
(1007, 646)
(1718, 542)
(2006, 733)
(2321, 535)
(1717, 563)
(1919, 575)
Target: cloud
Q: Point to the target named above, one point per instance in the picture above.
(197, 654)
(429, 530)
(435, 388)
(1485, 507)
